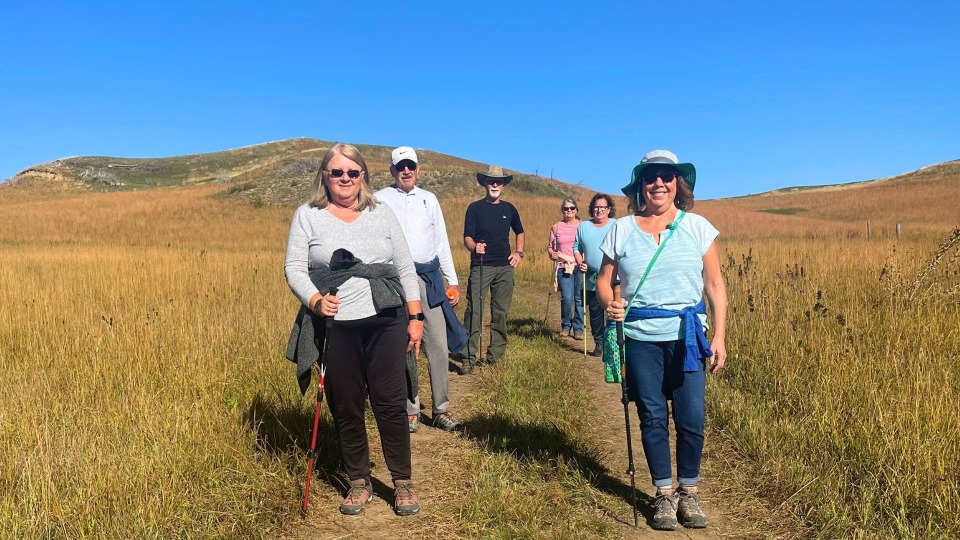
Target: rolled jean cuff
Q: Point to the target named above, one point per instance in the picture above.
(663, 483)
(689, 481)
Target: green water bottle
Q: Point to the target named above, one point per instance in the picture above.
(611, 354)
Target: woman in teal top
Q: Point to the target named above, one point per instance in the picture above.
(674, 256)
(586, 251)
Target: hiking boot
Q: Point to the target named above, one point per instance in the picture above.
(467, 367)
(413, 421)
(446, 422)
(578, 335)
(405, 502)
(689, 512)
(597, 351)
(358, 497)
(664, 512)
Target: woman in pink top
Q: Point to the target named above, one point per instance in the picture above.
(568, 278)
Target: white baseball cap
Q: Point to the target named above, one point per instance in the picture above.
(402, 153)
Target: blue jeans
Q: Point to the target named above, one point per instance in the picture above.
(655, 375)
(596, 317)
(571, 300)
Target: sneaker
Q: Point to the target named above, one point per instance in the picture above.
(689, 512)
(578, 335)
(665, 512)
(446, 422)
(406, 502)
(597, 351)
(564, 332)
(358, 497)
(413, 420)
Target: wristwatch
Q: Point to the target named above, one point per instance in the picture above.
(520, 253)
(417, 317)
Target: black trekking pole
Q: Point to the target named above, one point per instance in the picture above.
(312, 454)
(622, 345)
(480, 350)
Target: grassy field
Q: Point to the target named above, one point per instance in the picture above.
(141, 332)
(844, 380)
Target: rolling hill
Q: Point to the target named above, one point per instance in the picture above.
(925, 200)
(272, 173)
(281, 173)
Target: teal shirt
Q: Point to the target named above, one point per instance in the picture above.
(587, 243)
(674, 282)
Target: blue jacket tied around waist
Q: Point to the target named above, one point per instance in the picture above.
(436, 296)
(694, 337)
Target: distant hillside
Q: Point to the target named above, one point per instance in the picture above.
(272, 173)
(281, 173)
(927, 199)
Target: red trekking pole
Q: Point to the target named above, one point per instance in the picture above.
(312, 454)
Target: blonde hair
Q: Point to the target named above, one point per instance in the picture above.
(321, 193)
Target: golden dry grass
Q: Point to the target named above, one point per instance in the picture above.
(140, 330)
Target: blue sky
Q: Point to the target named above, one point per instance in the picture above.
(757, 95)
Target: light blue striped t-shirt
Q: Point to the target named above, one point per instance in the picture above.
(674, 282)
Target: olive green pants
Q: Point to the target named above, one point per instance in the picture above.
(498, 282)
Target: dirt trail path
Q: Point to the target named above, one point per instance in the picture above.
(442, 474)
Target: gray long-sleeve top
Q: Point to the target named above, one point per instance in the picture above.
(375, 237)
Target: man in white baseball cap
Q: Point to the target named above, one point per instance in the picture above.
(421, 219)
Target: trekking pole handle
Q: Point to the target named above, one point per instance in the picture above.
(329, 321)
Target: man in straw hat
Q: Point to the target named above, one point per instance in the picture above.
(421, 219)
(486, 233)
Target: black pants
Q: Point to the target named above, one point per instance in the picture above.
(366, 356)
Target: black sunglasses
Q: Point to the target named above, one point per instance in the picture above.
(337, 173)
(405, 164)
(569, 208)
(650, 177)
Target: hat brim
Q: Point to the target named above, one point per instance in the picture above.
(482, 178)
(686, 170)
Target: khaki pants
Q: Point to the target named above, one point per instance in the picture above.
(497, 287)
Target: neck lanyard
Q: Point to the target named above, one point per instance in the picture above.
(673, 227)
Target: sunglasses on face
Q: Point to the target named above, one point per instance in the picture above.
(650, 177)
(405, 164)
(337, 173)
(494, 182)
(569, 208)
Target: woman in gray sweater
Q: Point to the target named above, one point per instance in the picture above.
(343, 239)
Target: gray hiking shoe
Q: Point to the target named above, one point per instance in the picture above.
(406, 502)
(689, 512)
(358, 497)
(467, 367)
(446, 422)
(665, 512)
(597, 351)
(413, 421)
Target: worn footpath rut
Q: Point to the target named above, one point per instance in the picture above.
(442, 472)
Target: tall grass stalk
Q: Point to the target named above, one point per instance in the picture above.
(845, 390)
